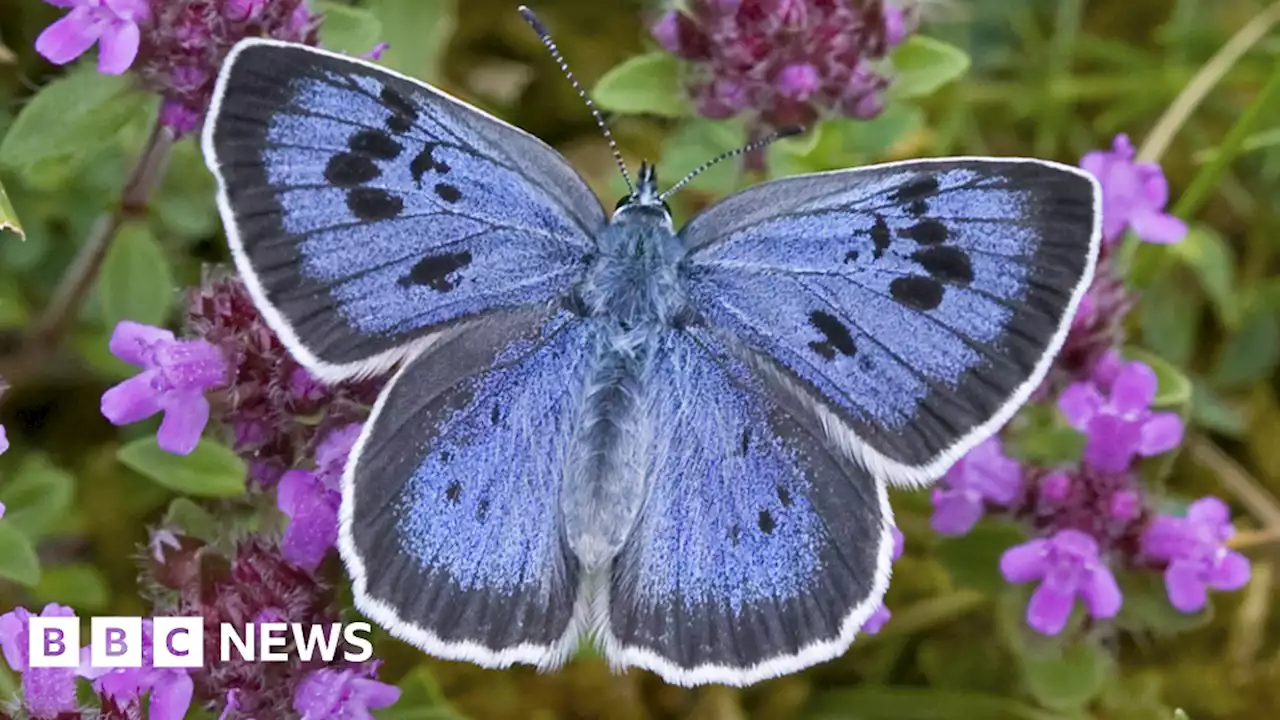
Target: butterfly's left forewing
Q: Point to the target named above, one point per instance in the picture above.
(915, 305)
(367, 211)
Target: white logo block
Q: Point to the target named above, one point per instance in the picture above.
(177, 642)
(116, 642)
(53, 641)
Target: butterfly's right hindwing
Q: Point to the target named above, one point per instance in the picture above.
(451, 527)
(367, 210)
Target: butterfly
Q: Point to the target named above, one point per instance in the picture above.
(674, 443)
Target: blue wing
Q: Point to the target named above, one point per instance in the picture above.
(916, 304)
(761, 547)
(366, 210)
(451, 529)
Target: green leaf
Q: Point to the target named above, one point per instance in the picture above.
(1146, 607)
(1216, 413)
(38, 496)
(643, 84)
(70, 119)
(417, 32)
(79, 585)
(1173, 388)
(211, 470)
(348, 29)
(923, 65)
(698, 141)
(136, 282)
(1251, 354)
(18, 561)
(1213, 262)
(193, 520)
(974, 559)
(844, 142)
(8, 217)
(420, 699)
(878, 702)
(1170, 318)
(1070, 680)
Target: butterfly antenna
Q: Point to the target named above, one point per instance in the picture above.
(783, 132)
(550, 44)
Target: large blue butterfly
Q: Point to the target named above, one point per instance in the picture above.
(676, 444)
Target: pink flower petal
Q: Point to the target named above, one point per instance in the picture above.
(1112, 443)
(1155, 189)
(1231, 573)
(1025, 562)
(375, 694)
(1160, 433)
(954, 514)
(171, 699)
(1096, 163)
(294, 489)
(129, 340)
(1078, 403)
(118, 47)
(1156, 227)
(1101, 593)
(1134, 388)
(1048, 611)
(1186, 589)
(1208, 510)
(183, 423)
(132, 400)
(69, 37)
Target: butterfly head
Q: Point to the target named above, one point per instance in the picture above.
(645, 195)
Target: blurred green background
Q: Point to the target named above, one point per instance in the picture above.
(1048, 78)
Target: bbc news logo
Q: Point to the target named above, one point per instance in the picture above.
(178, 642)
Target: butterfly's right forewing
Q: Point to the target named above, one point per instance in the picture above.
(366, 211)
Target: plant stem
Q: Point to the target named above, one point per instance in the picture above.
(1206, 79)
(60, 314)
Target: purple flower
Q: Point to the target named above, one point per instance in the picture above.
(311, 500)
(113, 24)
(342, 695)
(985, 475)
(47, 692)
(1067, 565)
(170, 688)
(1133, 195)
(873, 624)
(375, 53)
(785, 61)
(1195, 549)
(4, 440)
(244, 10)
(1120, 425)
(175, 376)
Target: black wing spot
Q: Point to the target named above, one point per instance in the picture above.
(851, 256)
(880, 236)
(917, 292)
(448, 193)
(746, 440)
(495, 416)
(734, 533)
(375, 143)
(348, 170)
(445, 456)
(482, 510)
(766, 522)
(784, 497)
(434, 271)
(921, 188)
(836, 334)
(426, 162)
(453, 492)
(403, 113)
(927, 232)
(945, 264)
(371, 204)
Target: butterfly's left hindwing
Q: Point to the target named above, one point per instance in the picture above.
(450, 522)
(916, 304)
(366, 210)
